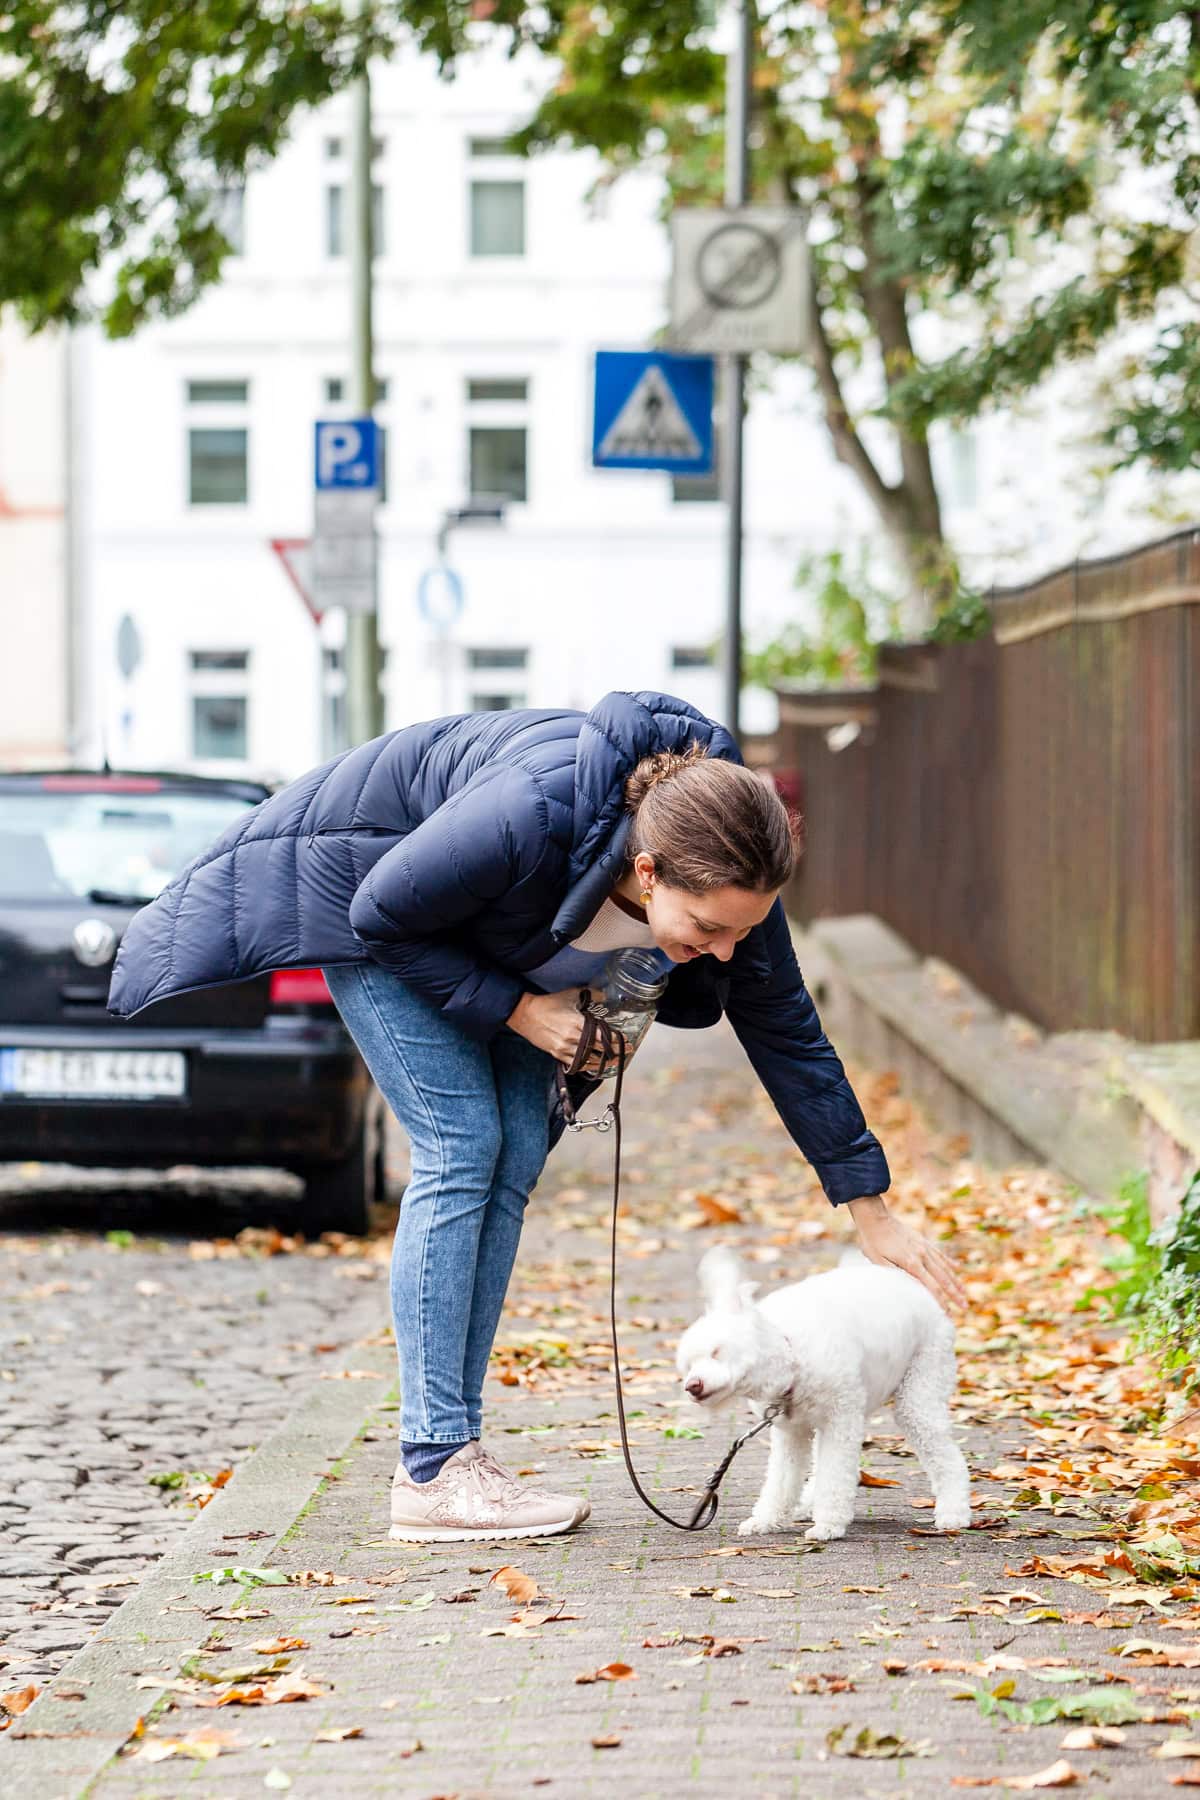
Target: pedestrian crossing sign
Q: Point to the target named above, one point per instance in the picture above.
(653, 410)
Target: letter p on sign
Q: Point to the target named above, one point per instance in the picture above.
(346, 453)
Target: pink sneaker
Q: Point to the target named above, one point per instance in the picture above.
(473, 1496)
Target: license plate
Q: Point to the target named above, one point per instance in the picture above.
(93, 1074)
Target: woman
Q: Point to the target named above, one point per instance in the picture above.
(458, 881)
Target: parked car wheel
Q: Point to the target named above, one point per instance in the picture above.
(338, 1196)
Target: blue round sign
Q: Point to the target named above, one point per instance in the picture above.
(440, 596)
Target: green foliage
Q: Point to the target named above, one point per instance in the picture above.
(1169, 1309)
(1137, 1259)
(1159, 421)
(1159, 1280)
(853, 617)
(964, 616)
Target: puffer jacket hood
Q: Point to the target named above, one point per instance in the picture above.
(462, 851)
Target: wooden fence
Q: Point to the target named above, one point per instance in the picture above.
(1026, 806)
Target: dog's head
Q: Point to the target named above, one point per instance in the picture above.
(732, 1351)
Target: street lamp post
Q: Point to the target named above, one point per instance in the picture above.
(738, 66)
(364, 699)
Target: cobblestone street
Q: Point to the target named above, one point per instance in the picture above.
(143, 1356)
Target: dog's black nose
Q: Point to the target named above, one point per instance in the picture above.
(695, 1387)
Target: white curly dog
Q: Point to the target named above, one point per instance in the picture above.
(832, 1349)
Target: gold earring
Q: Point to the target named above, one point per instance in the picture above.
(645, 896)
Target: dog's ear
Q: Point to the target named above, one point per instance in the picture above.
(721, 1280)
(747, 1291)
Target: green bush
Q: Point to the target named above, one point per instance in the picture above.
(1169, 1311)
(1159, 1281)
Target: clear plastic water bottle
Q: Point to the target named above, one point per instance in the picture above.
(633, 984)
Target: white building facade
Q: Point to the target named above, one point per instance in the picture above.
(496, 280)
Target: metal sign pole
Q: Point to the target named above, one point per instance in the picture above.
(733, 371)
(364, 701)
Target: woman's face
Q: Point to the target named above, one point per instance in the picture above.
(690, 925)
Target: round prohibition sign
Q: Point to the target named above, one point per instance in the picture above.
(738, 266)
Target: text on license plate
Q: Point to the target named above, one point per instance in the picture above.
(94, 1074)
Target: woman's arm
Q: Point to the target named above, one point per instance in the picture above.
(478, 845)
(778, 1027)
(781, 1033)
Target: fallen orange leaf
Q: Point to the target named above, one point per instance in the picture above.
(19, 1700)
(516, 1584)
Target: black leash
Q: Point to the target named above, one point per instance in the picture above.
(598, 1035)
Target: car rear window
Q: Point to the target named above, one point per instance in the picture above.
(116, 846)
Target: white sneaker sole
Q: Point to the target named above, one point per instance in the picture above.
(453, 1534)
(446, 1534)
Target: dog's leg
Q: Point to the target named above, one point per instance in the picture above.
(923, 1415)
(835, 1477)
(804, 1507)
(774, 1508)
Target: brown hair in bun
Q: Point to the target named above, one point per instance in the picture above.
(709, 823)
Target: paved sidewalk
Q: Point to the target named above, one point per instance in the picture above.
(750, 1666)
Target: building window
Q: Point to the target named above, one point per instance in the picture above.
(499, 389)
(218, 393)
(217, 466)
(333, 701)
(496, 702)
(335, 219)
(497, 437)
(336, 388)
(498, 656)
(691, 656)
(335, 148)
(229, 216)
(498, 456)
(489, 147)
(214, 662)
(497, 218)
(219, 727)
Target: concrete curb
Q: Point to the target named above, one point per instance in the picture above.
(1020, 1095)
(56, 1749)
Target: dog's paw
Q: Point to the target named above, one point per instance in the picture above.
(953, 1515)
(803, 1506)
(824, 1534)
(755, 1526)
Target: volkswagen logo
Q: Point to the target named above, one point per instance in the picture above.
(94, 943)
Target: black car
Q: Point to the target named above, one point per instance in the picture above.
(263, 1072)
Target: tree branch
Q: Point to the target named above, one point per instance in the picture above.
(847, 444)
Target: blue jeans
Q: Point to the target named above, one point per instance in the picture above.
(478, 1119)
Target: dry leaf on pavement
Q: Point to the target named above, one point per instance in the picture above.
(336, 1734)
(611, 1742)
(1093, 1737)
(1058, 1775)
(200, 1745)
(19, 1700)
(614, 1671)
(516, 1584)
(277, 1645)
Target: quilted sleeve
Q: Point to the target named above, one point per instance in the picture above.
(479, 844)
(778, 1027)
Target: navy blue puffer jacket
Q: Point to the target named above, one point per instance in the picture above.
(462, 851)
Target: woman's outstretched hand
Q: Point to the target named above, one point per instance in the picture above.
(885, 1240)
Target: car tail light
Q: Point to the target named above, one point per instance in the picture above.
(299, 987)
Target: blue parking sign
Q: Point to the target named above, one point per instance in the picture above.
(347, 454)
(653, 410)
